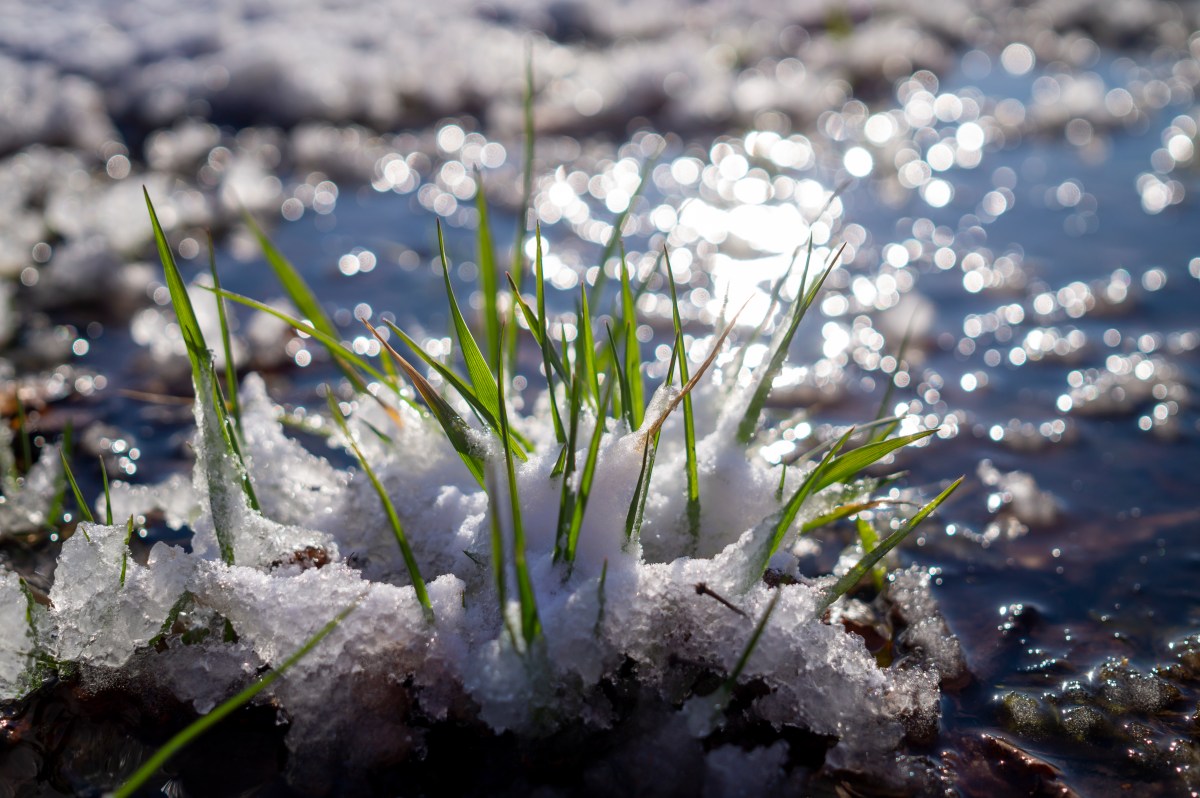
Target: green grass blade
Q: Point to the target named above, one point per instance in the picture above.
(790, 510)
(216, 430)
(752, 643)
(633, 351)
(585, 347)
(531, 626)
(838, 513)
(689, 420)
(335, 347)
(626, 408)
(460, 385)
(125, 548)
(548, 353)
(231, 380)
(870, 541)
(222, 711)
(54, 512)
(410, 561)
(488, 279)
(852, 577)
(85, 512)
(540, 334)
(478, 371)
(851, 463)
(772, 304)
(518, 255)
(453, 426)
(566, 504)
(108, 516)
(303, 298)
(498, 567)
(23, 433)
(780, 346)
(636, 514)
(586, 477)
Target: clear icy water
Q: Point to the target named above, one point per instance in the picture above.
(1025, 213)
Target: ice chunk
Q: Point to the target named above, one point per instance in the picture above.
(16, 639)
(104, 604)
(25, 502)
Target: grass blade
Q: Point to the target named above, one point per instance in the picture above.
(226, 708)
(231, 380)
(851, 578)
(566, 503)
(870, 541)
(540, 333)
(637, 506)
(125, 549)
(518, 256)
(216, 429)
(689, 421)
(498, 567)
(585, 347)
(410, 561)
(488, 282)
(23, 433)
(108, 516)
(531, 627)
(780, 345)
(548, 353)
(792, 508)
(633, 352)
(626, 408)
(586, 477)
(85, 512)
(335, 347)
(482, 379)
(457, 382)
(853, 462)
(455, 429)
(302, 297)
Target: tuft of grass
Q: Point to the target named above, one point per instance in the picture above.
(224, 710)
(410, 561)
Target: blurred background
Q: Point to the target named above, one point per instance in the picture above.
(1014, 184)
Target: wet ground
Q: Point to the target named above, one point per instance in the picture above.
(1028, 225)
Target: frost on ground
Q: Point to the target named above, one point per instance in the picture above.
(188, 622)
